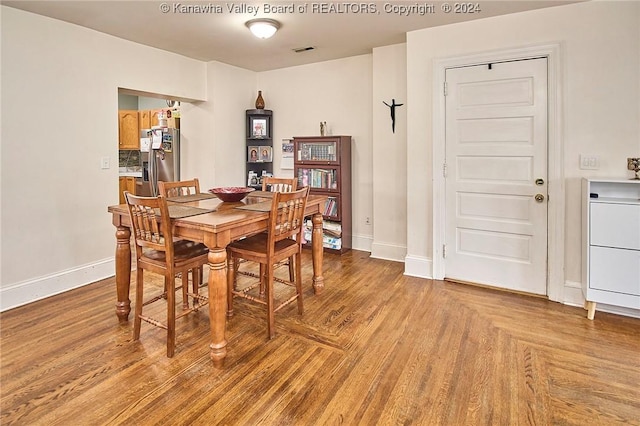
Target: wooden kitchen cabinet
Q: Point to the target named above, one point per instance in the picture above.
(153, 117)
(128, 130)
(144, 119)
(610, 243)
(126, 183)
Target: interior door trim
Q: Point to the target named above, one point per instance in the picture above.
(555, 156)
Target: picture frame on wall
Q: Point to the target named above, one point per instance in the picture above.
(259, 128)
(286, 161)
(253, 154)
(266, 154)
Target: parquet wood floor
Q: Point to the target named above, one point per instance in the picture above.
(376, 348)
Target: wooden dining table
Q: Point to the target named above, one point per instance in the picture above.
(216, 224)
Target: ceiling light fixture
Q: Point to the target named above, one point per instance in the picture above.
(263, 27)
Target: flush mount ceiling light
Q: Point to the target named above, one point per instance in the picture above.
(263, 27)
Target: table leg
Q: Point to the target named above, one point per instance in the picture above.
(218, 304)
(123, 272)
(317, 253)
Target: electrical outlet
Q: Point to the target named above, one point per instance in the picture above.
(589, 162)
(104, 162)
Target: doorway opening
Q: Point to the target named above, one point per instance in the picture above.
(138, 111)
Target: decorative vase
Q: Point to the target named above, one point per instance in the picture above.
(259, 100)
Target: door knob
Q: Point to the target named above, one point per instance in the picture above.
(539, 198)
(539, 182)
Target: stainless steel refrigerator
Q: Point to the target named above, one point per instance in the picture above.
(160, 155)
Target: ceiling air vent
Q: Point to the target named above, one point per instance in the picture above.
(303, 49)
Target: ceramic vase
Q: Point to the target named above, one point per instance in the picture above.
(259, 100)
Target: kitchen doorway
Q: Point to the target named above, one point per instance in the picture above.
(137, 112)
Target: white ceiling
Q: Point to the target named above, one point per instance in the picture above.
(335, 32)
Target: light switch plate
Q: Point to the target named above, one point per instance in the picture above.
(589, 162)
(104, 162)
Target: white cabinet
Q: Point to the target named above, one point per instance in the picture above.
(611, 243)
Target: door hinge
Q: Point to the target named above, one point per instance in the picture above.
(444, 251)
(444, 169)
(445, 89)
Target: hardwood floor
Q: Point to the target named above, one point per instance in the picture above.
(376, 347)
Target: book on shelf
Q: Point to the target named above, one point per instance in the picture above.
(316, 152)
(331, 207)
(327, 225)
(327, 241)
(321, 178)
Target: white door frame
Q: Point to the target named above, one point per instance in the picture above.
(555, 156)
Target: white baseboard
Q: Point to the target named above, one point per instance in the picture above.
(573, 297)
(39, 288)
(388, 252)
(417, 266)
(572, 294)
(361, 242)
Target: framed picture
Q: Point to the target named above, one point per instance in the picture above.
(266, 154)
(253, 154)
(259, 128)
(286, 162)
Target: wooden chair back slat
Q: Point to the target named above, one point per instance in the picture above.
(150, 229)
(287, 215)
(276, 184)
(179, 188)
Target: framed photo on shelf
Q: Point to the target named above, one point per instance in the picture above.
(266, 154)
(259, 128)
(253, 153)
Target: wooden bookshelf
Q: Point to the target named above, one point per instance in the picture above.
(324, 164)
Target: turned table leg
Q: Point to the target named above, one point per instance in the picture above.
(317, 253)
(123, 272)
(218, 304)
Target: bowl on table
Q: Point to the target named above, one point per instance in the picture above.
(231, 194)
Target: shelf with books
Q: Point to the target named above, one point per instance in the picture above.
(323, 163)
(331, 234)
(317, 152)
(326, 179)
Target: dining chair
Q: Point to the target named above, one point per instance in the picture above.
(272, 184)
(158, 252)
(276, 184)
(177, 189)
(281, 241)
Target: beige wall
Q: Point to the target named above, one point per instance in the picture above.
(599, 72)
(60, 91)
(338, 92)
(65, 79)
(389, 222)
(212, 132)
(59, 118)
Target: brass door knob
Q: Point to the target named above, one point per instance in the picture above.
(539, 198)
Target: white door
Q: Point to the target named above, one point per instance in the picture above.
(496, 164)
